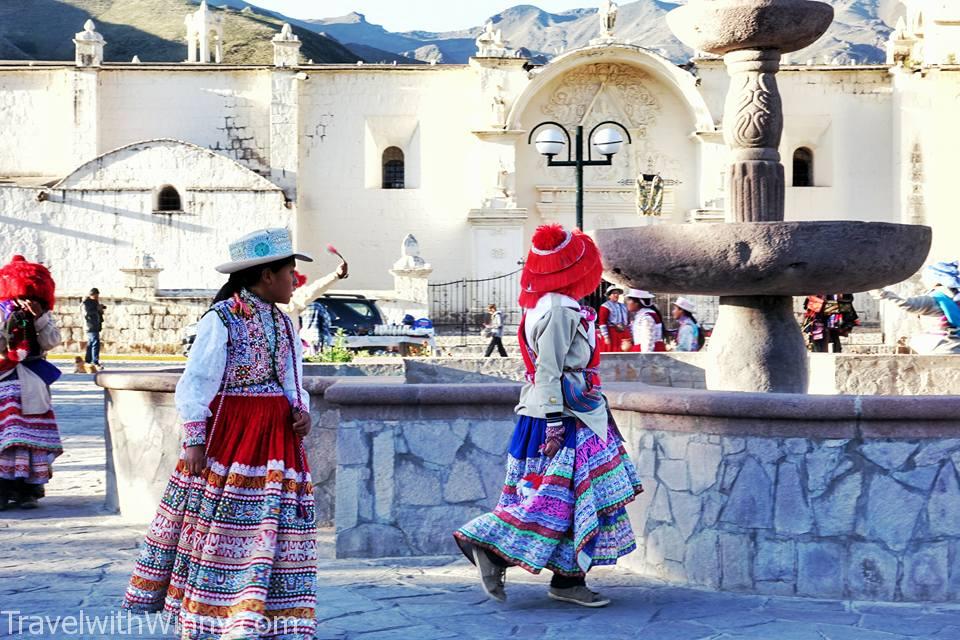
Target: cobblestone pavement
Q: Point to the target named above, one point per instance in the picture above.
(70, 556)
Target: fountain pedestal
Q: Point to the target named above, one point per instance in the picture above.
(756, 262)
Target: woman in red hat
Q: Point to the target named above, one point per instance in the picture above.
(568, 475)
(29, 438)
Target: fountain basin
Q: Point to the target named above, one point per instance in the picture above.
(722, 26)
(764, 258)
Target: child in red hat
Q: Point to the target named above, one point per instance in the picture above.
(29, 438)
(568, 475)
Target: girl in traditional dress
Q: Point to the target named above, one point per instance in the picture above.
(568, 476)
(613, 321)
(646, 322)
(941, 303)
(29, 438)
(232, 552)
(689, 332)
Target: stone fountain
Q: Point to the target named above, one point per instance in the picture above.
(756, 262)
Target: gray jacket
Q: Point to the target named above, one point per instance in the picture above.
(926, 306)
(561, 344)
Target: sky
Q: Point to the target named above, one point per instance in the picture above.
(408, 15)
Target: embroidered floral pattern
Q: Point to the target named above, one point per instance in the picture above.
(195, 433)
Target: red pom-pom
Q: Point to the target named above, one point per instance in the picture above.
(548, 237)
(23, 279)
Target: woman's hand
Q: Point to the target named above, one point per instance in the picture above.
(301, 423)
(31, 307)
(550, 448)
(196, 459)
(343, 270)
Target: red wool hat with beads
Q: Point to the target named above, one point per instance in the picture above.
(560, 261)
(21, 279)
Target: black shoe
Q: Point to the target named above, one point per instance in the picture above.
(29, 502)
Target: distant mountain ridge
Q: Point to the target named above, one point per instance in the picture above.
(153, 30)
(859, 31)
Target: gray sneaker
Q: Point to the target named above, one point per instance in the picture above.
(580, 595)
(492, 577)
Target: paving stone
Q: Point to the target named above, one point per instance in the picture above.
(891, 513)
(936, 452)
(889, 455)
(920, 478)
(418, 485)
(433, 443)
(776, 560)
(660, 507)
(702, 560)
(943, 505)
(686, 511)
(764, 449)
(836, 511)
(792, 513)
(734, 445)
(925, 573)
(872, 572)
(736, 561)
(673, 473)
(463, 483)
(820, 569)
(703, 460)
(750, 504)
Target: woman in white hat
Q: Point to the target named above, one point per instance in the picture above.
(688, 331)
(646, 322)
(612, 321)
(232, 549)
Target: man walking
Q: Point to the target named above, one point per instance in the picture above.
(495, 331)
(93, 318)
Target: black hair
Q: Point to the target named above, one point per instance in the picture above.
(94, 292)
(246, 278)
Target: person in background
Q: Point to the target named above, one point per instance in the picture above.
(689, 332)
(495, 330)
(940, 302)
(29, 438)
(93, 319)
(612, 320)
(305, 294)
(827, 318)
(646, 322)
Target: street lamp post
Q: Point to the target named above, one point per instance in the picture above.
(554, 137)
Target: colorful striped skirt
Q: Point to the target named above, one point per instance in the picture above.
(232, 553)
(566, 513)
(28, 443)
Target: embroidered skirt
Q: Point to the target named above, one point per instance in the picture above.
(28, 443)
(233, 553)
(566, 513)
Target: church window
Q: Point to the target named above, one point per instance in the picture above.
(169, 199)
(803, 167)
(393, 168)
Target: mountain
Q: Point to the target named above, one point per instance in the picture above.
(858, 33)
(153, 30)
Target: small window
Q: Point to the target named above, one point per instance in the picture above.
(393, 168)
(169, 200)
(803, 167)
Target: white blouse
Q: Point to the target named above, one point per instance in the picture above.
(203, 376)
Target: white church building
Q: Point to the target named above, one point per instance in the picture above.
(102, 164)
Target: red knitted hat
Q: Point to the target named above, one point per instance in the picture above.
(560, 261)
(22, 279)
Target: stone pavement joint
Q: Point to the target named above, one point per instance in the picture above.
(71, 554)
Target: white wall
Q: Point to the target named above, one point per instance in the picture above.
(348, 117)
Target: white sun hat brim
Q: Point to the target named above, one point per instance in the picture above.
(240, 265)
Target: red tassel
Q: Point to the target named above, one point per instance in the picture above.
(548, 237)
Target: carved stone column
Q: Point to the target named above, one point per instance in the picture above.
(753, 126)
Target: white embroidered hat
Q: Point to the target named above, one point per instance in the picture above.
(261, 247)
(686, 304)
(613, 288)
(640, 294)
